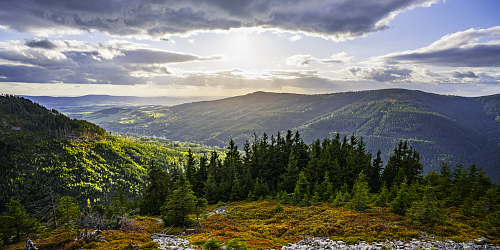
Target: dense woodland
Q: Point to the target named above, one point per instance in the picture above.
(66, 172)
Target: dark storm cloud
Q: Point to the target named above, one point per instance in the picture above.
(335, 19)
(39, 43)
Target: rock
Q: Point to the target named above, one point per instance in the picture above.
(29, 245)
(482, 240)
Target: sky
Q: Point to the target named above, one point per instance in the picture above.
(234, 47)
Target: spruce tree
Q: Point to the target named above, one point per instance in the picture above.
(402, 201)
(201, 176)
(301, 191)
(190, 168)
(290, 177)
(383, 197)
(16, 222)
(156, 192)
(360, 194)
(429, 209)
(181, 203)
(375, 180)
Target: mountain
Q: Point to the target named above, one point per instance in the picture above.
(443, 128)
(75, 107)
(43, 151)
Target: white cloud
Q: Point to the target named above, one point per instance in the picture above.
(295, 38)
(305, 60)
(461, 49)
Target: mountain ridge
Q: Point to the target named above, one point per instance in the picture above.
(444, 127)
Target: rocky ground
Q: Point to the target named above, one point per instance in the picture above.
(172, 242)
(326, 244)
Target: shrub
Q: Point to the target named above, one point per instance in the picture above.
(278, 208)
(212, 244)
(237, 244)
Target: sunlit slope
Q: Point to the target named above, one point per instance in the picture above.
(43, 150)
(441, 127)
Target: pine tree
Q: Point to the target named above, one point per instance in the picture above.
(190, 168)
(290, 177)
(16, 222)
(201, 176)
(401, 203)
(427, 210)
(375, 181)
(404, 160)
(341, 198)
(328, 193)
(300, 194)
(383, 197)
(156, 192)
(181, 203)
(67, 212)
(360, 194)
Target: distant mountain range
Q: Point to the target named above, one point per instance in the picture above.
(75, 107)
(443, 128)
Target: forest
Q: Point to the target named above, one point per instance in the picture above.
(442, 128)
(61, 173)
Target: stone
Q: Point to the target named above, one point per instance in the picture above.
(29, 245)
(482, 240)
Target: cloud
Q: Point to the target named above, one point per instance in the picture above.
(460, 49)
(421, 76)
(119, 62)
(468, 74)
(38, 43)
(338, 20)
(295, 38)
(305, 60)
(381, 74)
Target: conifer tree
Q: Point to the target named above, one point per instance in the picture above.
(374, 178)
(156, 192)
(383, 197)
(328, 194)
(405, 160)
(67, 212)
(201, 176)
(190, 168)
(290, 177)
(429, 209)
(360, 197)
(16, 222)
(489, 202)
(181, 203)
(300, 194)
(401, 203)
(341, 198)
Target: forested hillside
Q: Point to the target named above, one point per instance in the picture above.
(44, 153)
(70, 175)
(443, 128)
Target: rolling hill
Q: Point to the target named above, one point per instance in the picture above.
(43, 151)
(443, 128)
